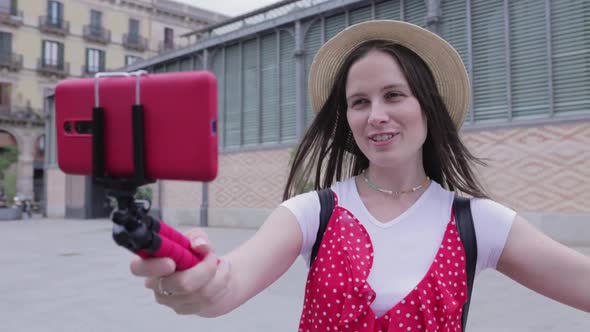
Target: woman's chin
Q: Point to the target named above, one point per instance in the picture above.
(390, 159)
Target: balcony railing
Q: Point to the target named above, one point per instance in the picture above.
(97, 34)
(55, 26)
(11, 17)
(20, 115)
(134, 42)
(90, 71)
(164, 46)
(11, 61)
(60, 69)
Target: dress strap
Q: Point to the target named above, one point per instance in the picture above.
(464, 222)
(327, 207)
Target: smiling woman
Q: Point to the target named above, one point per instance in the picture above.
(390, 98)
(376, 91)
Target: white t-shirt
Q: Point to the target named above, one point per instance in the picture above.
(404, 248)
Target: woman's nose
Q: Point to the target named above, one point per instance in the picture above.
(378, 114)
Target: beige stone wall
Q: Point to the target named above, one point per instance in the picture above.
(249, 185)
(250, 179)
(542, 169)
(181, 201)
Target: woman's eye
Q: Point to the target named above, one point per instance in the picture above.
(359, 102)
(392, 94)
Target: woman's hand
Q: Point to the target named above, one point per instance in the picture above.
(192, 291)
(212, 288)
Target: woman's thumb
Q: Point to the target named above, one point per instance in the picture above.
(201, 246)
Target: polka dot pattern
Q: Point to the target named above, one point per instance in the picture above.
(338, 296)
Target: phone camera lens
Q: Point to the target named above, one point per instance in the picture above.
(213, 128)
(83, 127)
(68, 127)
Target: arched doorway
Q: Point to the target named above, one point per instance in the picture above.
(8, 175)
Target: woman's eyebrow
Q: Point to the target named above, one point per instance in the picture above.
(356, 94)
(387, 87)
(395, 86)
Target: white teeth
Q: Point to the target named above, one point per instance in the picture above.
(383, 137)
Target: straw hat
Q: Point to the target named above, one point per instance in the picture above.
(444, 61)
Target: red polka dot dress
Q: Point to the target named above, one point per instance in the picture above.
(338, 296)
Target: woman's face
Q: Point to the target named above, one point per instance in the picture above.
(386, 120)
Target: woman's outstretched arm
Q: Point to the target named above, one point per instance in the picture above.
(546, 266)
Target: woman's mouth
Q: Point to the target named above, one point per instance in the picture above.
(382, 139)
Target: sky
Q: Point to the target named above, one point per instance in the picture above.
(229, 7)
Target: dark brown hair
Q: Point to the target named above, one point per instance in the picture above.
(328, 152)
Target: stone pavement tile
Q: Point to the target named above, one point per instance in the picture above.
(69, 276)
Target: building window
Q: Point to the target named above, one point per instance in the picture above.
(5, 45)
(168, 38)
(95, 22)
(53, 54)
(133, 29)
(131, 59)
(55, 13)
(8, 6)
(5, 92)
(95, 60)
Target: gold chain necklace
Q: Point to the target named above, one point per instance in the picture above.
(391, 192)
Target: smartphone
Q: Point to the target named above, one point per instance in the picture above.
(180, 124)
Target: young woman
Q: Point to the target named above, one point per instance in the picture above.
(390, 98)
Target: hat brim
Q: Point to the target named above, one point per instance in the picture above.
(443, 60)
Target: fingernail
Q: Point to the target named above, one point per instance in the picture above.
(199, 242)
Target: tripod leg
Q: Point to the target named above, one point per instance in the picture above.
(164, 247)
(167, 231)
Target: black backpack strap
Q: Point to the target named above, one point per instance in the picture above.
(327, 207)
(464, 222)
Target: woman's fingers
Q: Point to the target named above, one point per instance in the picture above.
(189, 291)
(200, 244)
(155, 267)
(152, 267)
(199, 300)
(187, 281)
(195, 233)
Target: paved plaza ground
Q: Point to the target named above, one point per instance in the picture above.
(68, 276)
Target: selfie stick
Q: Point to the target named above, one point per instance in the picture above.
(133, 227)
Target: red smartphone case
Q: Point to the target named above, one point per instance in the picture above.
(180, 121)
